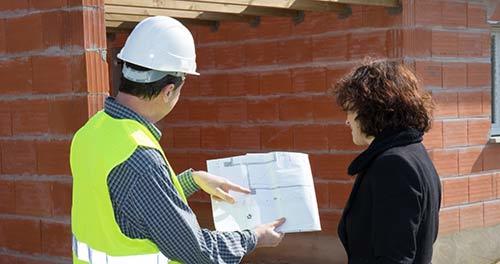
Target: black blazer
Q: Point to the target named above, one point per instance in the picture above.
(392, 214)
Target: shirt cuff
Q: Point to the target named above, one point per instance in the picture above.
(251, 237)
(187, 182)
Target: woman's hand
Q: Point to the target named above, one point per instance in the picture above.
(216, 186)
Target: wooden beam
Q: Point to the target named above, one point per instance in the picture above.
(205, 7)
(302, 5)
(386, 3)
(129, 25)
(147, 12)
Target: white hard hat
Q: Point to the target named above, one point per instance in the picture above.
(161, 44)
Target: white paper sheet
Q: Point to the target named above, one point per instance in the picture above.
(281, 185)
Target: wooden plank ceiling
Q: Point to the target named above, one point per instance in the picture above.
(124, 14)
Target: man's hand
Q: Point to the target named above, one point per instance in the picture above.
(266, 236)
(217, 186)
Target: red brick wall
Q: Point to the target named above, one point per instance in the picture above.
(262, 89)
(51, 80)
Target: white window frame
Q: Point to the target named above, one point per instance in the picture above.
(495, 82)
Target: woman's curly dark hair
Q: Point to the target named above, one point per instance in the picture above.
(386, 95)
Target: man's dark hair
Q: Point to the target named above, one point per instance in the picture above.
(147, 90)
(386, 95)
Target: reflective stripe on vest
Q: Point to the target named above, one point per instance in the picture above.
(85, 253)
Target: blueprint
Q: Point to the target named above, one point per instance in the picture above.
(281, 185)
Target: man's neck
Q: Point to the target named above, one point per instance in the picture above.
(137, 105)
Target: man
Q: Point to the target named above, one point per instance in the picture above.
(128, 204)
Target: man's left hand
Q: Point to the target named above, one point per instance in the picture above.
(217, 186)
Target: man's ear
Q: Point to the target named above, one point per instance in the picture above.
(168, 91)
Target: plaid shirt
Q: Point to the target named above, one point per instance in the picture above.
(147, 206)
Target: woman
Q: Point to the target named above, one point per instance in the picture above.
(393, 211)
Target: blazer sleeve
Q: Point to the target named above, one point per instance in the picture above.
(397, 209)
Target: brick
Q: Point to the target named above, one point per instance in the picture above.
(333, 75)
(79, 73)
(202, 111)
(205, 57)
(478, 75)
(487, 102)
(24, 33)
(295, 51)
(444, 43)
(261, 53)
(339, 193)
(491, 157)
(181, 112)
(275, 83)
(53, 157)
(56, 239)
(187, 137)
(478, 131)
(18, 157)
(274, 27)
(33, 198)
(329, 221)
(16, 76)
(20, 234)
(492, 213)
(5, 119)
(191, 86)
(330, 48)
(449, 221)
(470, 160)
(454, 133)
(326, 109)
(232, 111)
(13, 5)
(434, 138)
(476, 16)
(3, 41)
(245, 137)
(480, 188)
(428, 12)
(456, 191)
(314, 23)
(67, 115)
(227, 57)
(454, 75)
(367, 44)
(446, 162)
(454, 14)
(331, 166)
(263, 110)
(7, 197)
(215, 137)
(468, 44)
(48, 4)
(355, 20)
(446, 104)
(54, 29)
(310, 137)
(30, 117)
(213, 85)
(52, 74)
(243, 84)
(416, 42)
(486, 45)
(61, 198)
(430, 73)
(276, 138)
(309, 80)
(340, 138)
(471, 216)
(5, 259)
(296, 108)
(496, 185)
(376, 16)
(322, 193)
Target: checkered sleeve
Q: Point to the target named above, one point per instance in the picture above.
(169, 222)
(187, 182)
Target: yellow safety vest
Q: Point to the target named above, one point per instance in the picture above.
(98, 147)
